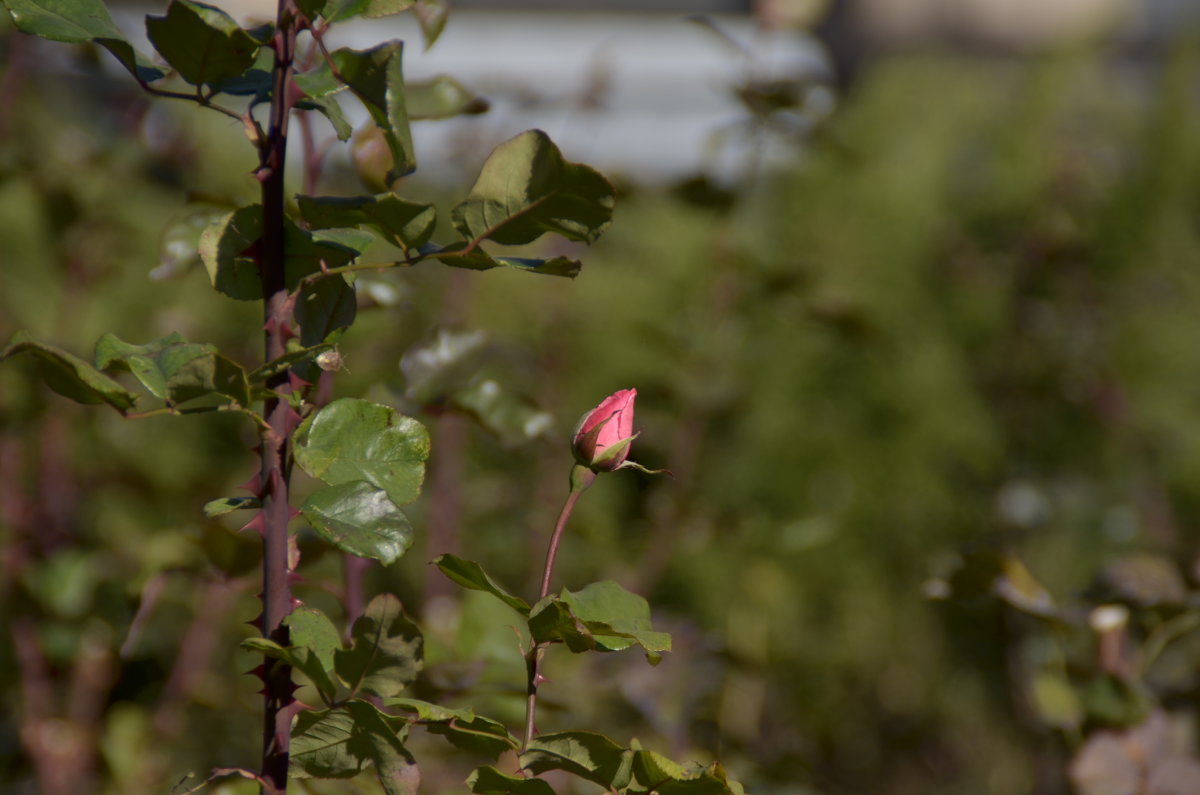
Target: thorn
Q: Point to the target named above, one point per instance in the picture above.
(262, 174)
(257, 524)
(253, 485)
(294, 513)
(291, 418)
(259, 670)
(270, 325)
(296, 381)
(539, 680)
(256, 622)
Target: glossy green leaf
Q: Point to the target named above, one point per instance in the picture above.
(77, 21)
(526, 189)
(202, 43)
(405, 224)
(343, 742)
(490, 781)
(588, 755)
(351, 440)
(476, 259)
(224, 505)
(69, 375)
(377, 78)
(461, 727)
(441, 97)
(602, 616)
(228, 249)
(470, 574)
(358, 518)
(385, 653)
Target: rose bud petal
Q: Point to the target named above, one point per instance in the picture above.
(602, 437)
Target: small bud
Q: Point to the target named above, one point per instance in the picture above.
(602, 438)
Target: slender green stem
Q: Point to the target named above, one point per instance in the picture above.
(581, 478)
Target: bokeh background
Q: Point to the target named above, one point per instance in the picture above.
(909, 291)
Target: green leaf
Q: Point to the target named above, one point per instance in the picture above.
(441, 97)
(311, 629)
(314, 642)
(603, 616)
(404, 224)
(69, 375)
(526, 189)
(224, 505)
(351, 439)
(376, 77)
(340, 10)
(656, 773)
(471, 575)
(490, 781)
(77, 21)
(228, 246)
(175, 370)
(386, 650)
(342, 742)
(320, 89)
(476, 259)
(324, 307)
(588, 755)
(359, 518)
(462, 727)
(202, 43)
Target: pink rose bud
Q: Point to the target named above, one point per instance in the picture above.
(602, 437)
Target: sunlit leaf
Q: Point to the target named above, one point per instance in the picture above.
(361, 519)
(405, 224)
(357, 440)
(526, 189)
(77, 21)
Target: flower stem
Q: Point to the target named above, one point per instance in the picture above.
(581, 478)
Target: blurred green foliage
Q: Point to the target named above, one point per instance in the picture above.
(954, 335)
